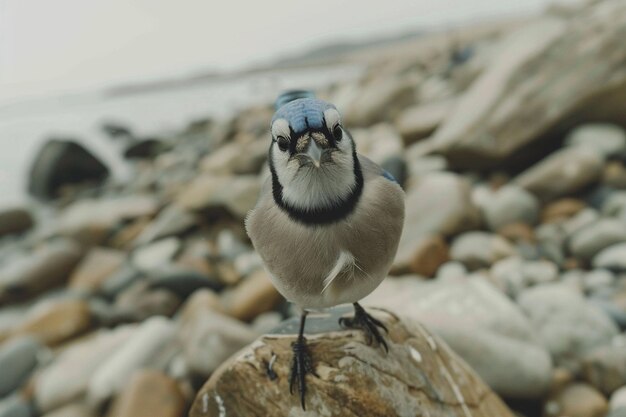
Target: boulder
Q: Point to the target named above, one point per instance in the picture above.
(569, 326)
(63, 162)
(166, 398)
(480, 324)
(419, 376)
(545, 78)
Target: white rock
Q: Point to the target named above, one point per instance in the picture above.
(136, 353)
(67, 378)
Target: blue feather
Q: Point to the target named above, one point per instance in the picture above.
(303, 113)
(390, 177)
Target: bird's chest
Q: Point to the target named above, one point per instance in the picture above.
(322, 261)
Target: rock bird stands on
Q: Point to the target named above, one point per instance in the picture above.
(328, 221)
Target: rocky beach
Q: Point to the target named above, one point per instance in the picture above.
(145, 298)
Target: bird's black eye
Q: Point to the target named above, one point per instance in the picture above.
(338, 133)
(283, 143)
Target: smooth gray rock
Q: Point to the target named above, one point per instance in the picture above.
(613, 257)
(568, 325)
(480, 249)
(18, 358)
(598, 279)
(172, 220)
(67, 378)
(513, 274)
(138, 352)
(510, 204)
(479, 323)
(606, 139)
(562, 173)
(211, 338)
(156, 255)
(590, 240)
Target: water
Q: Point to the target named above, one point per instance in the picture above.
(24, 126)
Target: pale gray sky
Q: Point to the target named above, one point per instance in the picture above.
(71, 45)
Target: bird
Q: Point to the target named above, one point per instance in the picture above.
(327, 222)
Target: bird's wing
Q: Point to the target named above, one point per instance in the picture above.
(372, 170)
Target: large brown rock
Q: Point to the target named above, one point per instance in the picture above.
(97, 266)
(419, 376)
(252, 297)
(57, 322)
(546, 78)
(149, 394)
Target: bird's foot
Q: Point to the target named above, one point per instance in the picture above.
(368, 324)
(300, 366)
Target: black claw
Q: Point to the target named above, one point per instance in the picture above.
(300, 366)
(368, 324)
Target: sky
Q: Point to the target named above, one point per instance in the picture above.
(64, 46)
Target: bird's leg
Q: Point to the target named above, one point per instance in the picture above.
(301, 364)
(367, 323)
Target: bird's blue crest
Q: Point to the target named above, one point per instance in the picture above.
(301, 110)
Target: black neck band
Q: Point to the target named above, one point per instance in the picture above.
(338, 211)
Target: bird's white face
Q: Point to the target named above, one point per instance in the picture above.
(315, 168)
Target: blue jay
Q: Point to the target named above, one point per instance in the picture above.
(328, 220)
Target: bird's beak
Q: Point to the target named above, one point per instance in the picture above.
(314, 152)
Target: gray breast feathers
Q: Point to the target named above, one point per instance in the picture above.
(325, 265)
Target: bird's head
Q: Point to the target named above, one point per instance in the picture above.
(312, 157)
